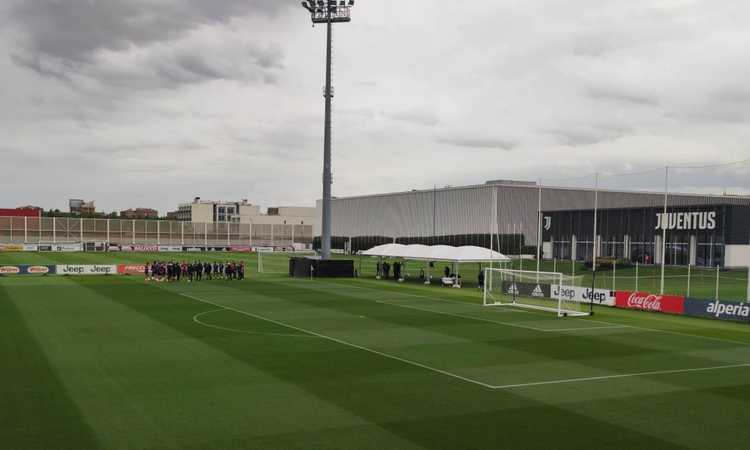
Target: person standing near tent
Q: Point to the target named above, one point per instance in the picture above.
(480, 279)
(386, 269)
(447, 271)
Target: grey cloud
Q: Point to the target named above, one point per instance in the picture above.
(62, 40)
(415, 116)
(479, 142)
(583, 135)
(622, 96)
(38, 65)
(74, 29)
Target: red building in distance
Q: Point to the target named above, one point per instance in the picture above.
(22, 212)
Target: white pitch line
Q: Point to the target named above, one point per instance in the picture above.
(438, 299)
(480, 319)
(623, 375)
(196, 319)
(339, 341)
(635, 327)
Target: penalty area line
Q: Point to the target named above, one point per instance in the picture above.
(623, 375)
(342, 342)
(497, 322)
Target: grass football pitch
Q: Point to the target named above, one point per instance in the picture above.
(280, 363)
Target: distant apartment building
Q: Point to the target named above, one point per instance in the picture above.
(207, 211)
(78, 207)
(139, 213)
(290, 215)
(173, 215)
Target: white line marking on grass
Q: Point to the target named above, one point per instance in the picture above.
(339, 341)
(635, 327)
(480, 319)
(235, 330)
(623, 375)
(404, 294)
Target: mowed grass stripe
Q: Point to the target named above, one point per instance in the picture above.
(415, 408)
(602, 352)
(37, 410)
(401, 399)
(283, 358)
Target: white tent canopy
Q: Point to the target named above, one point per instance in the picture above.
(436, 253)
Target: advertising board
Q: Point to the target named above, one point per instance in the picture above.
(11, 248)
(584, 295)
(68, 269)
(26, 269)
(73, 247)
(527, 289)
(644, 301)
(30, 247)
(241, 248)
(139, 248)
(170, 248)
(718, 310)
(131, 269)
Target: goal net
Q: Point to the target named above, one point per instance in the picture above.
(533, 290)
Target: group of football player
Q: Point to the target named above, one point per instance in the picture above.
(194, 271)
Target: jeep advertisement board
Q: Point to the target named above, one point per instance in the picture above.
(584, 295)
(718, 310)
(86, 269)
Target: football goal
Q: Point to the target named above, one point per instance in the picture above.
(545, 291)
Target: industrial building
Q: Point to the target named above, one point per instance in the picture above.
(702, 230)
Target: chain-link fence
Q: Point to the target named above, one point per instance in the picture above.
(59, 230)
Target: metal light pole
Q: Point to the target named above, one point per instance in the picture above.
(328, 12)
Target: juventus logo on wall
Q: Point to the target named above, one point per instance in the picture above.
(547, 223)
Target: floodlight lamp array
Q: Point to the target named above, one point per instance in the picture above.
(324, 11)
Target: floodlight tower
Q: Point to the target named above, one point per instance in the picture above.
(328, 12)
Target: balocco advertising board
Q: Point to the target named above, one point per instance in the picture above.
(584, 295)
(27, 270)
(11, 248)
(86, 269)
(644, 301)
(10, 270)
(140, 248)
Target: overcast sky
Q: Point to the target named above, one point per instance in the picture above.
(151, 102)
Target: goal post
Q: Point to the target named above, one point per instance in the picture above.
(533, 290)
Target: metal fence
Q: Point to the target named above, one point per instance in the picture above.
(57, 230)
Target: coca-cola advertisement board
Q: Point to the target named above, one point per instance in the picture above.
(644, 301)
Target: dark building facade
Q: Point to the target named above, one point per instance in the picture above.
(701, 235)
